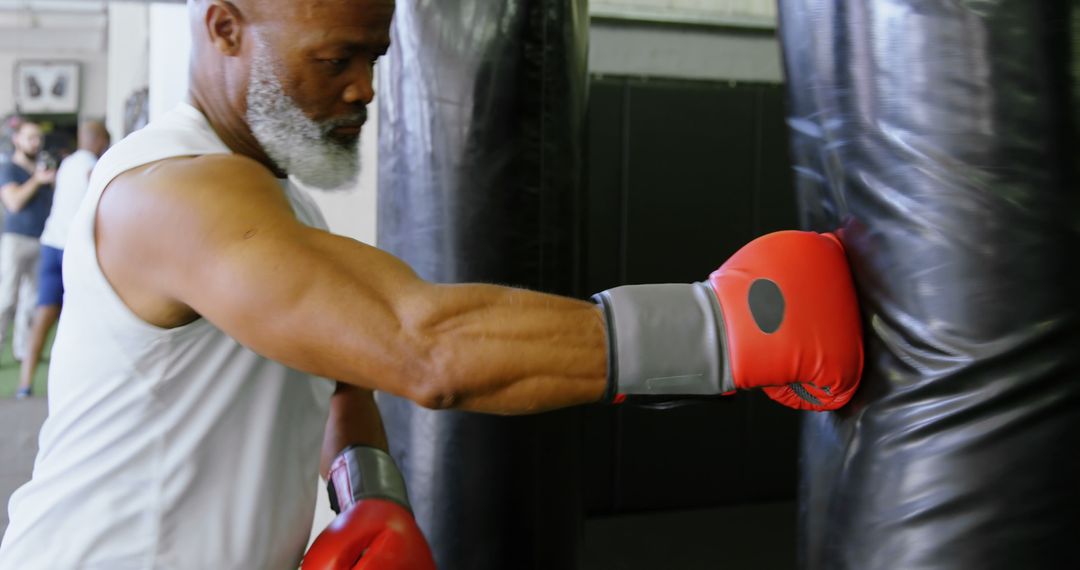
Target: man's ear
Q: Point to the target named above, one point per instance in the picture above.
(224, 25)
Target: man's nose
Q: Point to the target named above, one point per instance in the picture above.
(361, 90)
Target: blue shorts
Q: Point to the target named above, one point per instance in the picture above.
(50, 279)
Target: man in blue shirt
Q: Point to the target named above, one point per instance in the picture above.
(26, 192)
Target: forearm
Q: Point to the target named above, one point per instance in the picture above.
(15, 196)
(505, 350)
(354, 420)
(481, 348)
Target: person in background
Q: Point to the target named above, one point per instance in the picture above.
(26, 191)
(71, 181)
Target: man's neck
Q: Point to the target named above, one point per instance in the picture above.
(233, 130)
(24, 162)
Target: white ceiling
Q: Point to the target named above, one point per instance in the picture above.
(80, 6)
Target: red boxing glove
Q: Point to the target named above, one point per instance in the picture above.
(792, 319)
(781, 314)
(375, 530)
(375, 534)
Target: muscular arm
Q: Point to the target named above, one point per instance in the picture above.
(214, 236)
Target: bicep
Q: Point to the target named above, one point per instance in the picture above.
(309, 299)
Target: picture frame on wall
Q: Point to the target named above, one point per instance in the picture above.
(47, 87)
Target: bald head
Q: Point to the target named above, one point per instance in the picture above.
(94, 137)
(251, 11)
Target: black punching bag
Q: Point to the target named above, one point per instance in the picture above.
(481, 111)
(941, 136)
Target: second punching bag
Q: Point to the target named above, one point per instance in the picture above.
(481, 110)
(941, 136)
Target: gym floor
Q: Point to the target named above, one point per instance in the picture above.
(19, 424)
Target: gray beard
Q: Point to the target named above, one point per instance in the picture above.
(298, 145)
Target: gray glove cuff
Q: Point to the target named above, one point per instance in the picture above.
(665, 340)
(362, 472)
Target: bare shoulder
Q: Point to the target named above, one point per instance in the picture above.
(192, 175)
(186, 193)
(162, 227)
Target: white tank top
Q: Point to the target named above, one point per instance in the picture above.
(164, 448)
(71, 180)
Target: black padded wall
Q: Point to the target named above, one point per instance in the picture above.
(682, 174)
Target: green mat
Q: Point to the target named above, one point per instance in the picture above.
(9, 370)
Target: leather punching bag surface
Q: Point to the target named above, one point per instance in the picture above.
(941, 136)
(481, 111)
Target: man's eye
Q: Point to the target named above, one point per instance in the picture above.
(336, 62)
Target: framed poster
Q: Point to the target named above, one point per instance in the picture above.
(47, 87)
